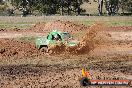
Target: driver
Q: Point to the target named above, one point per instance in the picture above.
(56, 37)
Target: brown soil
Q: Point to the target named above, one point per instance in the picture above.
(10, 48)
(90, 38)
(65, 26)
(47, 27)
(120, 28)
(106, 51)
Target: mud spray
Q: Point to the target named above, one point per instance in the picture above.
(86, 44)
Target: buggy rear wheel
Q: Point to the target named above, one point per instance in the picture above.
(44, 49)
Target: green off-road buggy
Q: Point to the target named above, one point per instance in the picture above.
(42, 43)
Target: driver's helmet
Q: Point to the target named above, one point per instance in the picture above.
(56, 37)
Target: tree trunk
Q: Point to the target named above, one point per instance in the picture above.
(78, 7)
(68, 7)
(62, 7)
(100, 6)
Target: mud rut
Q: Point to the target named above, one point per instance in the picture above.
(22, 65)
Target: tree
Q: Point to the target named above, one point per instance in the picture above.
(50, 7)
(112, 6)
(126, 5)
(25, 6)
(100, 6)
(3, 5)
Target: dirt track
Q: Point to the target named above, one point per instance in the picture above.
(22, 65)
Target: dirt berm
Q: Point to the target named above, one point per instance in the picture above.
(11, 48)
(66, 26)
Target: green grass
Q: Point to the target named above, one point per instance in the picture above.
(121, 23)
(110, 23)
(26, 22)
(9, 25)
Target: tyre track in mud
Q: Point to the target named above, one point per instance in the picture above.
(58, 75)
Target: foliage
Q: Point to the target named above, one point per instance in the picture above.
(112, 6)
(66, 7)
(49, 7)
(126, 5)
(3, 6)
